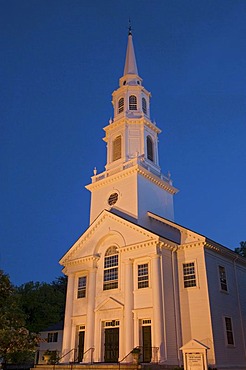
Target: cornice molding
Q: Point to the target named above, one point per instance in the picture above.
(131, 121)
(190, 245)
(225, 251)
(130, 171)
(84, 260)
(147, 243)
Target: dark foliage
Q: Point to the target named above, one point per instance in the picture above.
(43, 304)
(242, 249)
(14, 335)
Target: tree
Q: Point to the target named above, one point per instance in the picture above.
(242, 249)
(14, 335)
(42, 303)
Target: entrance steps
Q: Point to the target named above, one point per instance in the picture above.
(94, 366)
(104, 366)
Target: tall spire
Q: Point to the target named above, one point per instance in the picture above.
(130, 63)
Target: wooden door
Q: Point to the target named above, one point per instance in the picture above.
(147, 350)
(111, 349)
(81, 346)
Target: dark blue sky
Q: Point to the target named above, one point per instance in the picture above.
(60, 62)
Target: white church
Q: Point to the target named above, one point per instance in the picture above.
(135, 277)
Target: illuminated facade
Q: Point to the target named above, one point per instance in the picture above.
(135, 277)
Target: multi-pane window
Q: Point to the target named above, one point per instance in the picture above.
(143, 276)
(117, 148)
(81, 287)
(223, 282)
(144, 105)
(121, 105)
(150, 149)
(229, 331)
(52, 337)
(189, 274)
(132, 102)
(111, 260)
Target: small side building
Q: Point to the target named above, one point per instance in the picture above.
(51, 340)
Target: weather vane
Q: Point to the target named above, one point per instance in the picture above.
(129, 27)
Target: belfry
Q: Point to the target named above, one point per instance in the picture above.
(136, 279)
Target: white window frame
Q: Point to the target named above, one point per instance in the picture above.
(139, 280)
(81, 289)
(52, 337)
(191, 274)
(221, 278)
(226, 331)
(107, 269)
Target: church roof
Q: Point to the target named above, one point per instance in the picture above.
(57, 326)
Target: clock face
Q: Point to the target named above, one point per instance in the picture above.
(113, 199)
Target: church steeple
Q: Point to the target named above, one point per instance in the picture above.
(132, 181)
(130, 62)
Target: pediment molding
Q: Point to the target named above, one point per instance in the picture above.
(109, 301)
(103, 217)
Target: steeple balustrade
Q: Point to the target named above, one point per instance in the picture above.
(131, 163)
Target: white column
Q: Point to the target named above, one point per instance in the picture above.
(90, 321)
(158, 325)
(129, 327)
(66, 344)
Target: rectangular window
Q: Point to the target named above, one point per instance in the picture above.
(229, 331)
(81, 287)
(110, 272)
(189, 274)
(143, 276)
(52, 337)
(223, 282)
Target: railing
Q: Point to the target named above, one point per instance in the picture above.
(92, 349)
(140, 160)
(128, 354)
(154, 354)
(73, 349)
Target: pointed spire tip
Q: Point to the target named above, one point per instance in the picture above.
(129, 27)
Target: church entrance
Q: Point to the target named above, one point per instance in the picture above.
(81, 346)
(146, 340)
(111, 344)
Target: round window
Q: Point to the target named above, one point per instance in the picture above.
(113, 199)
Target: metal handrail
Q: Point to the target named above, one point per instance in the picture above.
(73, 349)
(138, 347)
(92, 349)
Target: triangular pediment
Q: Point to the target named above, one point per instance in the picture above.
(107, 228)
(109, 304)
(194, 344)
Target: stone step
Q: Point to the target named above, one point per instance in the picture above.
(94, 366)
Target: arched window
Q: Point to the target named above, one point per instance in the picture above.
(117, 148)
(111, 260)
(132, 102)
(121, 105)
(144, 105)
(150, 149)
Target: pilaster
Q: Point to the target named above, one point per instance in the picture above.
(158, 340)
(90, 321)
(128, 306)
(66, 344)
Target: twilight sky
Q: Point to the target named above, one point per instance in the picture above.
(60, 62)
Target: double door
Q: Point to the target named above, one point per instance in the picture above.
(111, 345)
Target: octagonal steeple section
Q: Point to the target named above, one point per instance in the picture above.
(131, 99)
